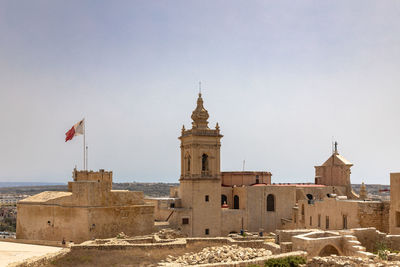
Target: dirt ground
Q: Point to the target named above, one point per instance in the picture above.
(118, 257)
(15, 252)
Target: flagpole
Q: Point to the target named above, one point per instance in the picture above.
(84, 144)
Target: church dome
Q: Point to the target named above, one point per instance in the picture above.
(200, 115)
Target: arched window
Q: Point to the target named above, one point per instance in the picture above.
(270, 202)
(236, 202)
(204, 163)
(224, 199)
(188, 163)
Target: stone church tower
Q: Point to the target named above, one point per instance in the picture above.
(336, 172)
(200, 180)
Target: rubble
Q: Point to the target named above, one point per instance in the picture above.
(169, 234)
(215, 255)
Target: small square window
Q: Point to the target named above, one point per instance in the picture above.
(207, 231)
(185, 220)
(207, 198)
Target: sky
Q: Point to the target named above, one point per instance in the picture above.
(282, 78)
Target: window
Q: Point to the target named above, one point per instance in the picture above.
(188, 163)
(207, 231)
(185, 220)
(257, 180)
(270, 202)
(344, 221)
(397, 219)
(224, 199)
(319, 220)
(310, 220)
(327, 222)
(172, 205)
(204, 163)
(236, 202)
(207, 198)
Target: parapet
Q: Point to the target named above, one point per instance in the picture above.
(100, 176)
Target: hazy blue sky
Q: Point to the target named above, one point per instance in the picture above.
(280, 77)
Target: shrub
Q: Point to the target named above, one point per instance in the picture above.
(291, 261)
(382, 250)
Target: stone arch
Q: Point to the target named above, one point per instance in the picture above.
(204, 163)
(188, 162)
(270, 202)
(329, 250)
(236, 202)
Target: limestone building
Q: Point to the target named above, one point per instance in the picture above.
(91, 209)
(209, 202)
(394, 218)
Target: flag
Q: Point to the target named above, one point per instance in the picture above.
(77, 129)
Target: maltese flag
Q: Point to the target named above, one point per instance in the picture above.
(77, 129)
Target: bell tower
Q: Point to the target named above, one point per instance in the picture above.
(200, 179)
(200, 147)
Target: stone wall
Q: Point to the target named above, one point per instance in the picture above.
(372, 214)
(338, 214)
(394, 217)
(232, 221)
(245, 178)
(91, 210)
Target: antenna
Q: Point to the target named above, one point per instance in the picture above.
(244, 162)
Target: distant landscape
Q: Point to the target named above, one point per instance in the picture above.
(16, 184)
(149, 189)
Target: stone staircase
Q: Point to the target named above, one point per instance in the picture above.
(353, 247)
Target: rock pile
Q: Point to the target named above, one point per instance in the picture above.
(349, 261)
(216, 254)
(169, 234)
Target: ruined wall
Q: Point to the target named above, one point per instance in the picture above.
(374, 214)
